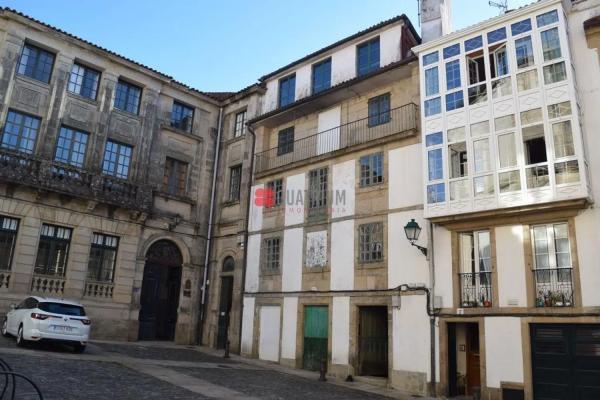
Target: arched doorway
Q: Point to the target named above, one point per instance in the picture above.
(225, 302)
(160, 292)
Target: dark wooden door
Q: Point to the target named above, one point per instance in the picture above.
(316, 327)
(452, 365)
(565, 361)
(473, 359)
(373, 341)
(224, 310)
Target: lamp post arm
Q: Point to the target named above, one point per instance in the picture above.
(423, 249)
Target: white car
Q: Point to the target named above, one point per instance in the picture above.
(46, 318)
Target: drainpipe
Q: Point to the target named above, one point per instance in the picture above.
(431, 262)
(209, 233)
(245, 233)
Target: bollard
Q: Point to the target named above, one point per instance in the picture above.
(322, 371)
(226, 355)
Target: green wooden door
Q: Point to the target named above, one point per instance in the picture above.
(316, 324)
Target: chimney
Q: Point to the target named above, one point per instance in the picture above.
(436, 19)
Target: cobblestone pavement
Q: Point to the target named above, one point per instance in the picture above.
(164, 371)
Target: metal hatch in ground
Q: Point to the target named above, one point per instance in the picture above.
(565, 361)
(316, 324)
(373, 341)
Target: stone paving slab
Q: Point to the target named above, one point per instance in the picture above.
(179, 353)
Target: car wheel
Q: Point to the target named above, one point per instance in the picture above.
(79, 348)
(5, 328)
(20, 341)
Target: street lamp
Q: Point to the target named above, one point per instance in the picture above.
(412, 231)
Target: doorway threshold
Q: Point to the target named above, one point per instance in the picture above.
(380, 381)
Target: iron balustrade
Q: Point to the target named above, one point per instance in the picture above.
(553, 287)
(26, 169)
(476, 289)
(397, 120)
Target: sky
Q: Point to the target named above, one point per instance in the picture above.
(227, 45)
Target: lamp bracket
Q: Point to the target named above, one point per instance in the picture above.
(423, 249)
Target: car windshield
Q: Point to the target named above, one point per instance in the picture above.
(59, 308)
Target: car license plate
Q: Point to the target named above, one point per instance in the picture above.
(61, 328)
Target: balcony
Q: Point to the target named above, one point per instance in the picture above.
(553, 287)
(25, 169)
(396, 121)
(475, 289)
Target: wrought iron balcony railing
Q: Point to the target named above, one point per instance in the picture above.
(476, 289)
(553, 287)
(397, 120)
(26, 169)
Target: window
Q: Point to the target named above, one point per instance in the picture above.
(481, 156)
(379, 110)
(454, 101)
(475, 269)
(547, 18)
(36, 63)
(84, 81)
(531, 116)
(473, 43)
(563, 139)
(71, 146)
(432, 82)
(127, 97)
(457, 160)
(496, 36)
(174, 180)
(456, 134)
(433, 139)
(566, 172)
(271, 251)
(459, 189)
(239, 128)
(276, 192)
(317, 189)
(370, 239)
(477, 94)
(367, 55)
(476, 67)
(20, 132)
(182, 116)
(509, 181)
(555, 73)
(552, 265)
(103, 258)
(452, 51)
(285, 141)
(550, 44)
(433, 106)
(507, 152)
(452, 74)
(117, 158)
(436, 193)
(371, 169)
(228, 264)
(524, 51)
(321, 76)
(8, 237)
(559, 110)
(501, 87)
(235, 180)
(483, 185)
(506, 122)
(498, 60)
(537, 176)
(534, 144)
(287, 90)
(527, 80)
(435, 164)
(430, 58)
(480, 128)
(53, 250)
(520, 27)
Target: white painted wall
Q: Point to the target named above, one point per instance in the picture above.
(405, 177)
(406, 263)
(303, 81)
(247, 326)
(294, 213)
(511, 270)
(268, 343)
(343, 183)
(389, 45)
(291, 275)
(328, 124)
(270, 97)
(288, 328)
(443, 265)
(253, 263)
(588, 251)
(256, 212)
(340, 330)
(503, 350)
(342, 255)
(343, 65)
(410, 348)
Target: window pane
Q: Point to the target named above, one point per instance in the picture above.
(473, 43)
(555, 73)
(506, 122)
(434, 139)
(537, 177)
(497, 35)
(483, 185)
(452, 74)
(457, 159)
(285, 141)
(478, 94)
(368, 57)
(481, 155)
(436, 167)
(456, 134)
(36, 63)
(452, 51)
(559, 110)
(459, 189)
(550, 44)
(566, 172)
(235, 178)
(520, 27)
(547, 18)
(454, 101)
(480, 128)
(563, 139)
(501, 87)
(182, 116)
(435, 193)
(433, 106)
(432, 82)
(524, 52)
(20, 132)
(322, 76)
(430, 58)
(507, 152)
(509, 181)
